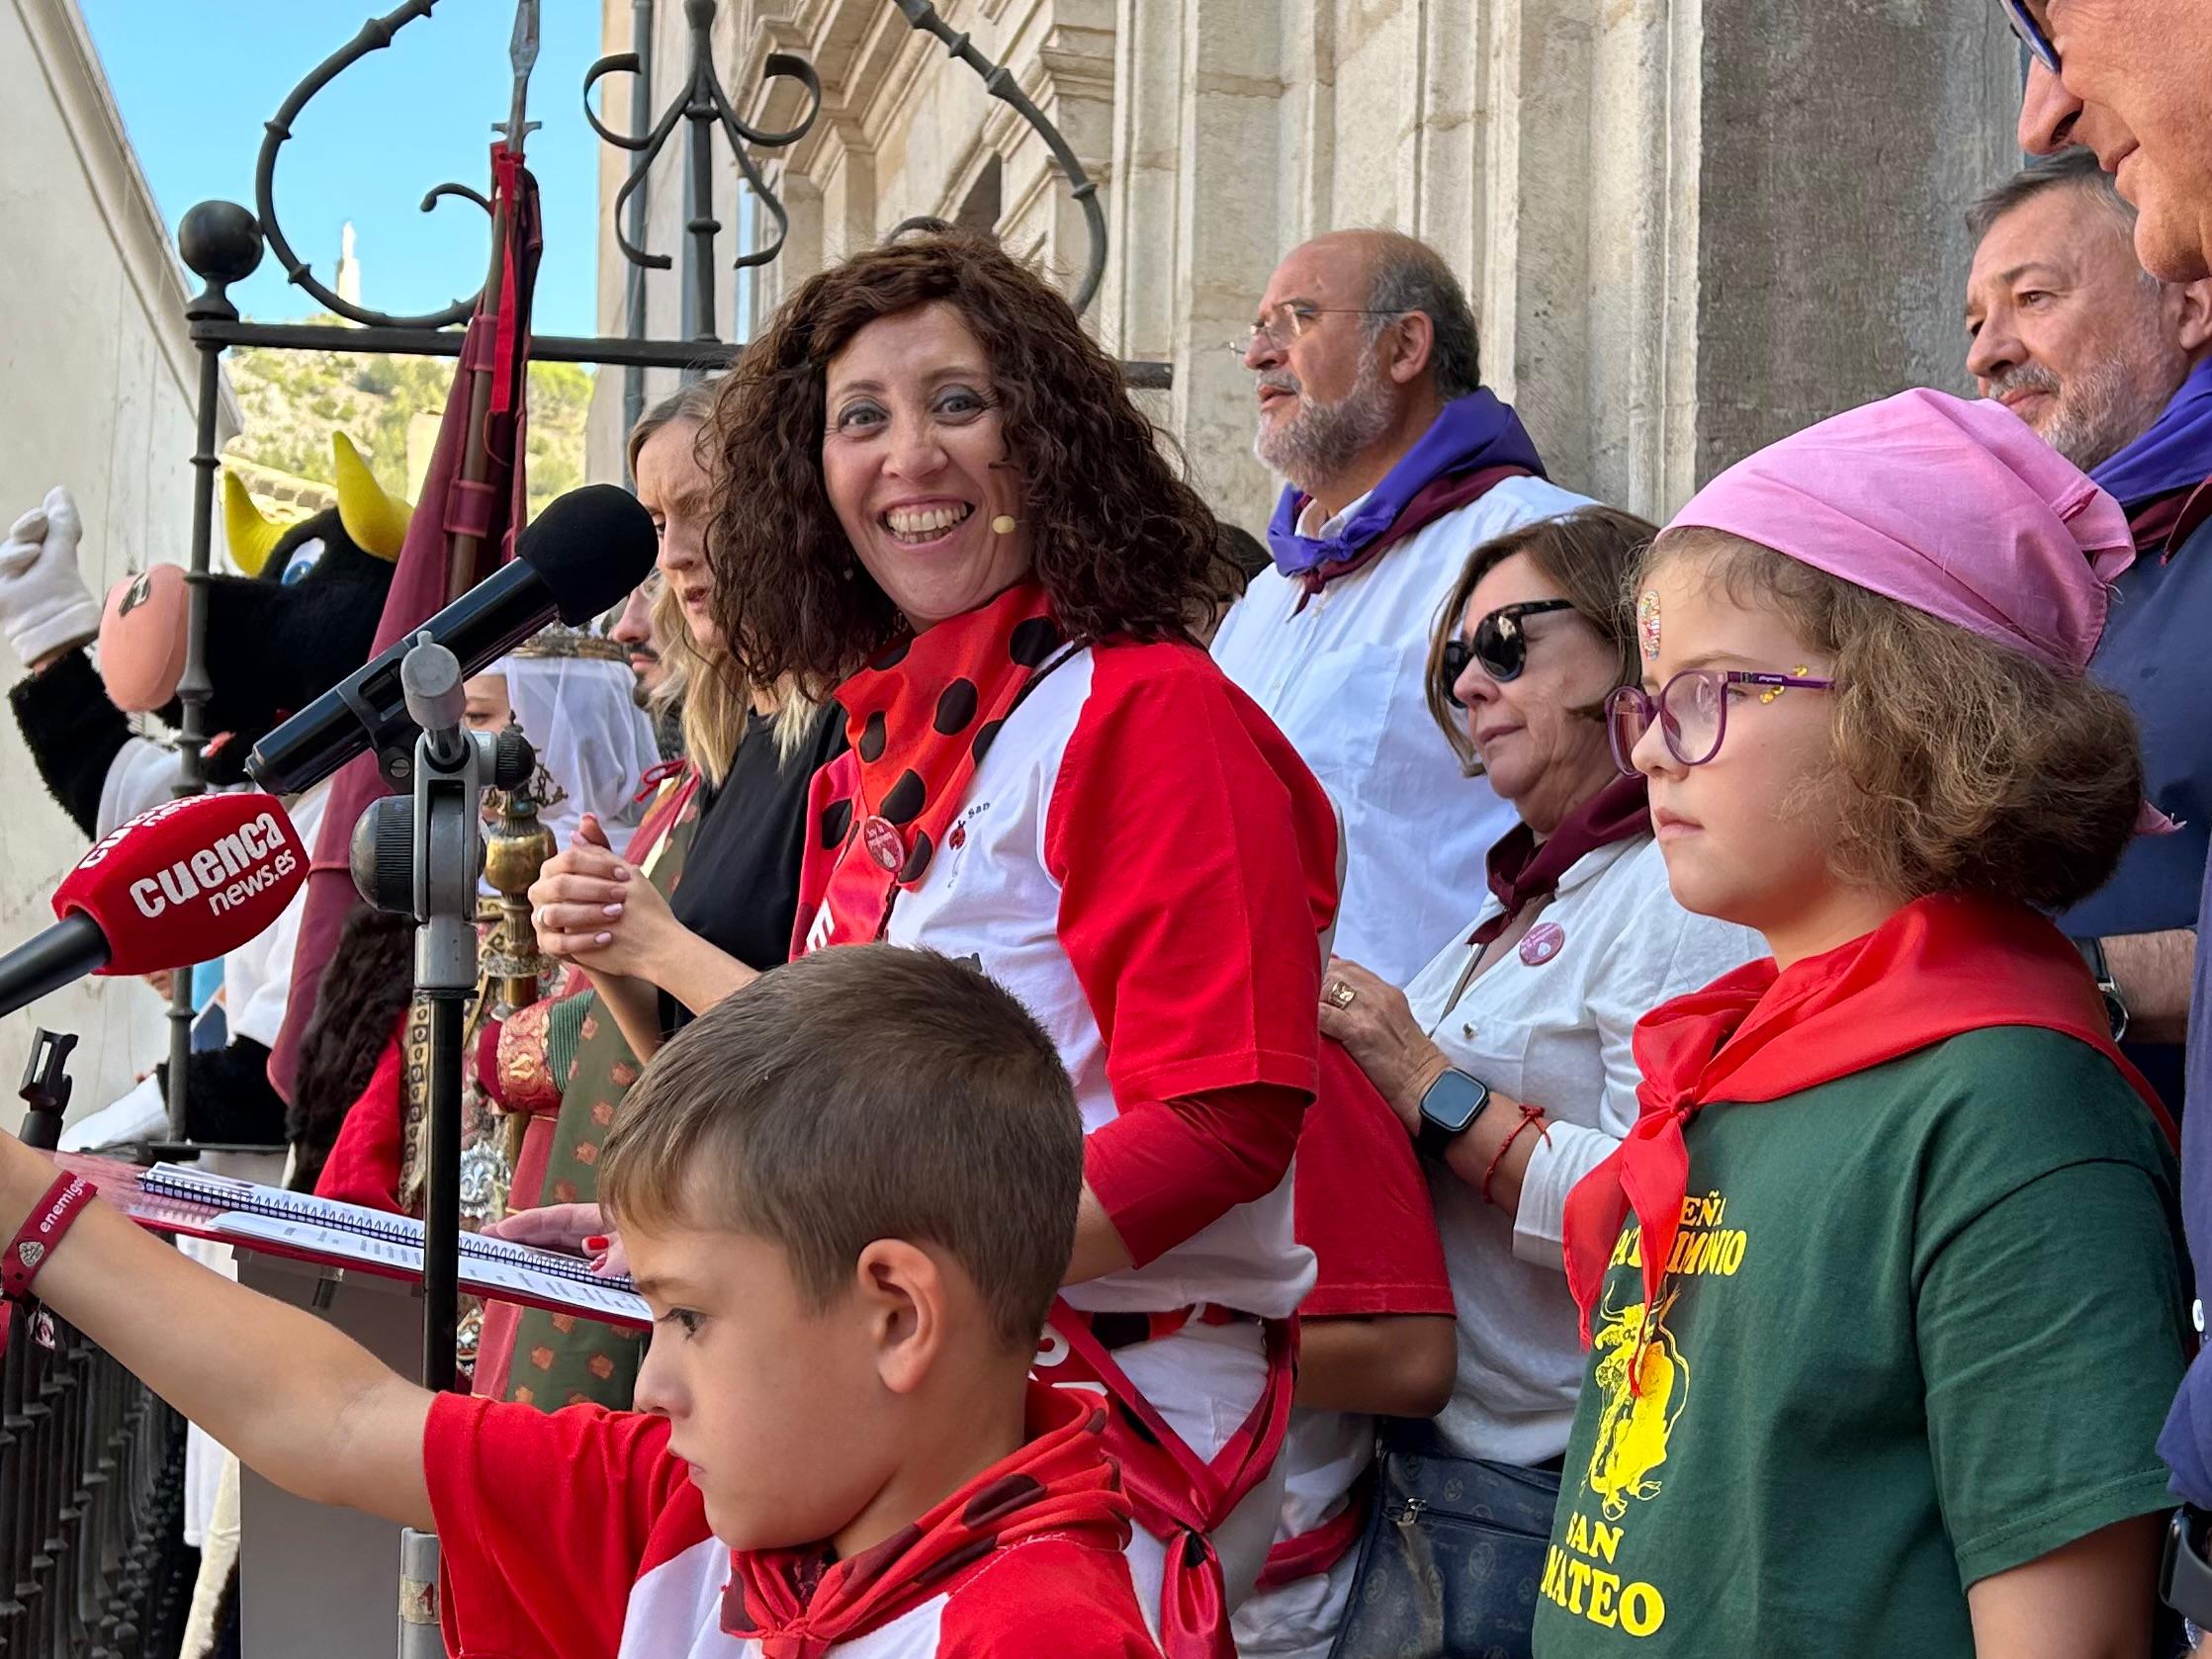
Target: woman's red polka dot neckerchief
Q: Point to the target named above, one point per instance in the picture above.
(919, 719)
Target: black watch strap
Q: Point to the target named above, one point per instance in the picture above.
(1449, 1111)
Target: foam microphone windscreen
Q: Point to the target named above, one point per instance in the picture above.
(590, 547)
(188, 881)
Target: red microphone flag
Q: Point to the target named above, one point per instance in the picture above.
(187, 881)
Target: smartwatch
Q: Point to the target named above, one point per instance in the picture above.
(2115, 1006)
(1448, 1111)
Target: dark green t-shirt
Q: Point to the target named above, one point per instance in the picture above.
(1923, 1326)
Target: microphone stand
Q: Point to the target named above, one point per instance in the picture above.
(447, 852)
(419, 855)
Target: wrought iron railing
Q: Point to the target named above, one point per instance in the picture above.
(92, 1561)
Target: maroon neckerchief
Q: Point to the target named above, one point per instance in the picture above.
(1522, 870)
(2152, 524)
(1430, 502)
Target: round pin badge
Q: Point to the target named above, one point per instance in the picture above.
(1542, 942)
(884, 844)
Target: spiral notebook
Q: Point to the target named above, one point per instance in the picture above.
(179, 1197)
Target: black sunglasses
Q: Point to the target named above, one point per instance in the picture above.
(1500, 644)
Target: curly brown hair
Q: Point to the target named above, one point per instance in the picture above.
(1121, 542)
(1966, 767)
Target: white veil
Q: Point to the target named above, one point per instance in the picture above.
(591, 738)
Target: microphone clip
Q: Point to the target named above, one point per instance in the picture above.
(419, 854)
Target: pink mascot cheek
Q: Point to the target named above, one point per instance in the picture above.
(142, 639)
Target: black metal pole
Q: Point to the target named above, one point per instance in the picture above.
(441, 1217)
(699, 109)
(607, 350)
(221, 242)
(641, 25)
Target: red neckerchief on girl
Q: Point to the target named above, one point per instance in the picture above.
(1178, 1496)
(1939, 967)
(918, 719)
(1059, 1484)
(1522, 871)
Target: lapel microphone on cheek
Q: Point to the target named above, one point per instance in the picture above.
(1003, 525)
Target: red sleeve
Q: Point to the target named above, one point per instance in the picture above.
(1196, 863)
(364, 1163)
(1362, 1205)
(1047, 1596)
(1165, 1169)
(545, 1522)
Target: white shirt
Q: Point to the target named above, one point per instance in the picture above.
(1554, 1031)
(1346, 679)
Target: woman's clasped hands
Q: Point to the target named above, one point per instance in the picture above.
(595, 909)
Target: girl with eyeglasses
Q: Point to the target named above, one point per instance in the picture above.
(1507, 1059)
(1881, 1289)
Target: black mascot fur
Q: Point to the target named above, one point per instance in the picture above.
(305, 614)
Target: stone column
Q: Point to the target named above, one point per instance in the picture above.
(1837, 156)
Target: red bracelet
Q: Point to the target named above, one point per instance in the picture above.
(41, 1231)
(1528, 1115)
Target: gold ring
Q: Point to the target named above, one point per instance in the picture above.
(1340, 993)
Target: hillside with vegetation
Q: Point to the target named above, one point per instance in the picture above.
(293, 401)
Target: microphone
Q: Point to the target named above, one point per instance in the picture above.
(579, 556)
(185, 882)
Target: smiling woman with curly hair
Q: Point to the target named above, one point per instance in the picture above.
(1106, 525)
(935, 500)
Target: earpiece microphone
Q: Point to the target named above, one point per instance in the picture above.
(1003, 525)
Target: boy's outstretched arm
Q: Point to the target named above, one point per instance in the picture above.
(303, 1407)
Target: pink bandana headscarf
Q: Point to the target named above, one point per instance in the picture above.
(1953, 508)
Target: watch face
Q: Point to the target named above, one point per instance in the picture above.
(1453, 1102)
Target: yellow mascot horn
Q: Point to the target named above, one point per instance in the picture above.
(252, 538)
(376, 522)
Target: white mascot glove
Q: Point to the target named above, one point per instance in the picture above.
(139, 1115)
(44, 603)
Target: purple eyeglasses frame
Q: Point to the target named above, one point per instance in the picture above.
(1651, 709)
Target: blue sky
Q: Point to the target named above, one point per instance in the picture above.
(196, 82)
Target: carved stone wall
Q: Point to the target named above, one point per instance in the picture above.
(1688, 226)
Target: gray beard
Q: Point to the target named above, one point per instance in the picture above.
(1320, 441)
(2099, 415)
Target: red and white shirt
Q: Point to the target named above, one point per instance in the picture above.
(578, 1535)
(1146, 863)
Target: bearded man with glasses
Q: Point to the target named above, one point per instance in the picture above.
(1397, 464)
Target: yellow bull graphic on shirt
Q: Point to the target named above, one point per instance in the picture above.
(1633, 1426)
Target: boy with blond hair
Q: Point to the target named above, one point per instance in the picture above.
(848, 1196)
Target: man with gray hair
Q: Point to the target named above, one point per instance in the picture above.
(2068, 331)
(1400, 463)
(2113, 367)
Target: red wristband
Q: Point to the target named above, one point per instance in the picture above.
(41, 1231)
(1528, 1115)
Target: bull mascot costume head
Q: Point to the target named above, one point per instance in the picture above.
(303, 614)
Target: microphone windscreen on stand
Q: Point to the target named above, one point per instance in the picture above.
(582, 556)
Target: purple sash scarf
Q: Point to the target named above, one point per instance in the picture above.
(1474, 434)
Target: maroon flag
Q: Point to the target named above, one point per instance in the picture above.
(464, 528)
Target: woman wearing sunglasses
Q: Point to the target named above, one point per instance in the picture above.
(1508, 1059)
